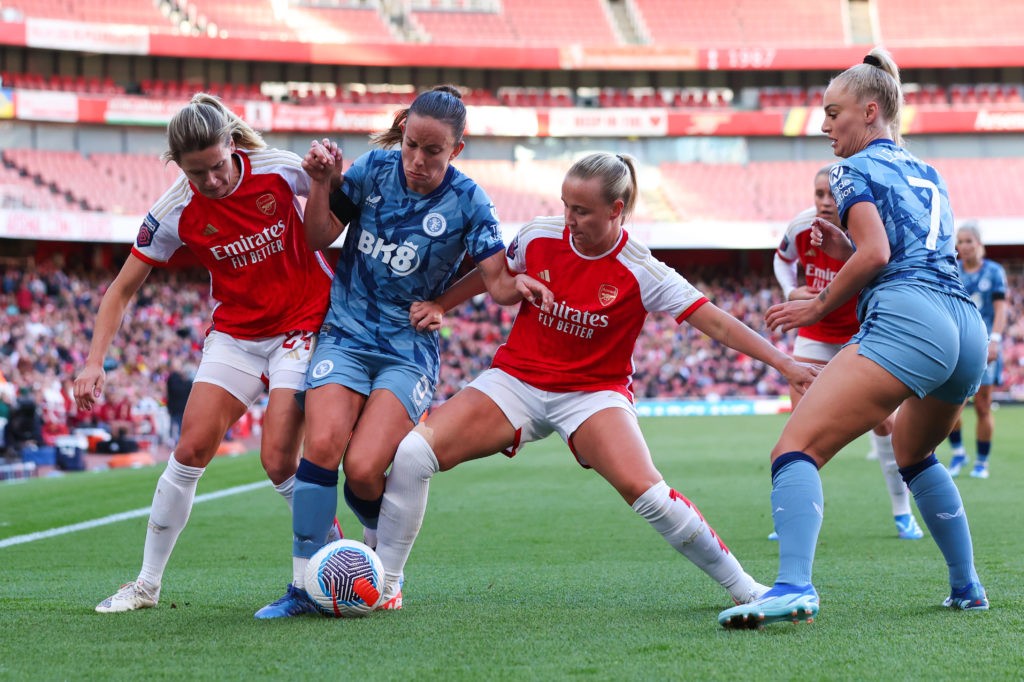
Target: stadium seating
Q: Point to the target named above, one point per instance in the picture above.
(735, 23)
(137, 12)
(19, 190)
(464, 28)
(520, 22)
(758, 191)
(951, 22)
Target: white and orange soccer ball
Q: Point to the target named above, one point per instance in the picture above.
(345, 579)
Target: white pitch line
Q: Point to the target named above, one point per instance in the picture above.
(123, 516)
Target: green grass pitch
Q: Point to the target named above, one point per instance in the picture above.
(529, 569)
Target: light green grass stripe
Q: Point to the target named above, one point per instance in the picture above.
(122, 516)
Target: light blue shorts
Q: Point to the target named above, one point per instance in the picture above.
(934, 343)
(366, 371)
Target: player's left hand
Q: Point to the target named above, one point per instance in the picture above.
(535, 292)
(426, 316)
(793, 314)
(831, 239)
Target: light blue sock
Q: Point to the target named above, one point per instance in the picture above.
(314, 506)
(797, 511)
(940, 505)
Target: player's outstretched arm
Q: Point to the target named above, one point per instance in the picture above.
(89, 383)
(427, 315)
(507, 288)
(727, 330)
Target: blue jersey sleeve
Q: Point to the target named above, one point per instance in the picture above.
(483, 239)
(849, 186)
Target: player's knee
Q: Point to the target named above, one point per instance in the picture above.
(193, 454)
(323, 450)
(426, 433)
(363, 476)
(279, 466)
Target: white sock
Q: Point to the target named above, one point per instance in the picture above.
(299, 571)
(370, 537)
(898, 493)
(172, 504)
(682, 526)
(405, 502)
(286, 490)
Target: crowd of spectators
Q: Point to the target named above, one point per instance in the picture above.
(47, 311)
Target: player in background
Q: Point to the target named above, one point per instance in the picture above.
(569, 371)
(921, 345)
(235, 209)
(412, 217)
(985, 281)
(819, 342)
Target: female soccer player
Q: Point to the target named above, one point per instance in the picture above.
(235, 209)
(411, 217)
(985, 281)
(568, 371)
(821, 341)
(921, 346)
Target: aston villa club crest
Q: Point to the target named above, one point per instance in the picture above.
(267, 204)
(607, 294)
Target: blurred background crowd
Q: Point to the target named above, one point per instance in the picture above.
(47, 312)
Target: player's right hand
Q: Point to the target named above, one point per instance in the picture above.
(535, 292)
(426, 316)
(88, 387)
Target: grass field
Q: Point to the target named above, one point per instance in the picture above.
(530, 569)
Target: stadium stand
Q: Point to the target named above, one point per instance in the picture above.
(138, 12)
(757, 191)
(45, 313)
(948, 22)
(519, 22)
(745, 22)
(744, 171)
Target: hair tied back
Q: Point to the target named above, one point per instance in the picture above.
(873, 60)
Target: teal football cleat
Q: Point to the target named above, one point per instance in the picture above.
(980, 470)
(907, 528)
(956, 464)
(969, 598)
(295, 602)
(781, 603)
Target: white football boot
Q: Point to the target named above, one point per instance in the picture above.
(131, 597)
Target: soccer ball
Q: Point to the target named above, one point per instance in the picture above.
(345, 579)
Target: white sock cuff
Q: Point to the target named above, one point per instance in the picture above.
(881, 441)
(652, 499)
(416, 448)
(286, 488)
(181, 474)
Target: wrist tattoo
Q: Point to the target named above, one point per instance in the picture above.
(823, 295)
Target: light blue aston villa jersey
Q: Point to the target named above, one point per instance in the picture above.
(984, 286)
(402, 247)
(913, 203)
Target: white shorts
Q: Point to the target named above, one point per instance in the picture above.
(244, 367)
(818, 351)
(535, 414)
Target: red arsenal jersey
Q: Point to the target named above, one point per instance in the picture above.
(819, 271)
(586, 343)
(264, 280)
